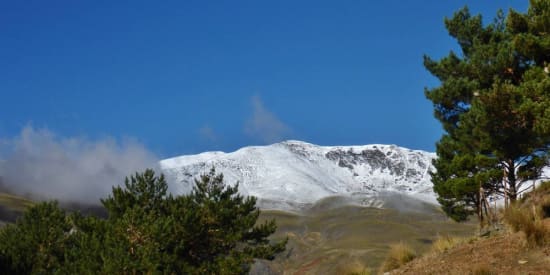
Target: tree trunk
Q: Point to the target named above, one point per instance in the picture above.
(512, 191)
(480, 208)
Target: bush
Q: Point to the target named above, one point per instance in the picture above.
(398, 255)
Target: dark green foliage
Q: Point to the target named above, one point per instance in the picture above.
(144, 191)
(36, 243)
(83, 254)
(210, 231)
(226, 223)
(493, 103)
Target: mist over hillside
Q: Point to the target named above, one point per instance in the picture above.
(41, 165)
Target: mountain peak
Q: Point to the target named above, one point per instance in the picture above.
(294, 173)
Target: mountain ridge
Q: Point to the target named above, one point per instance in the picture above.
(293, 174)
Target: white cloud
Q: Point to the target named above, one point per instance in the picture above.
(74, 169)
(264, 125)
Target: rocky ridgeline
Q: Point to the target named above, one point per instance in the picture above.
(294, 173)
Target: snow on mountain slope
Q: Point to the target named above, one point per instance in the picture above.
(291, 174)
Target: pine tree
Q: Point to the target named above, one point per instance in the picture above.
(36, 242)
(493, 105)
(228, 233)
(213, 230)
(210, 231)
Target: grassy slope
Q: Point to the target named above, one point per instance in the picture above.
(11, 206)
(14, 202)
(347, 238)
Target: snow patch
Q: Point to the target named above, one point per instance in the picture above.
(292, 174)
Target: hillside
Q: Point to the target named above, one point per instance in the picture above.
(335, 239)
(526, 251)
(502, 254)
(11, 207)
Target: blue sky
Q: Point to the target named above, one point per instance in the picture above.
(190, 76)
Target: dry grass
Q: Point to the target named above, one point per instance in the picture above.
(528, 216)
(528, 222)
(523, 249)
(517, 218)
(544, 187)
(398, 255)
(444, 243)
(353, 268)
(482, 269)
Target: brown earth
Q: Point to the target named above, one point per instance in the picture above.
(506, 253)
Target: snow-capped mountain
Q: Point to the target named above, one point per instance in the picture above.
(294, 174)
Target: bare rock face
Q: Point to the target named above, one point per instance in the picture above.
(292, 174)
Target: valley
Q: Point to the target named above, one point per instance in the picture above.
(347, 239)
